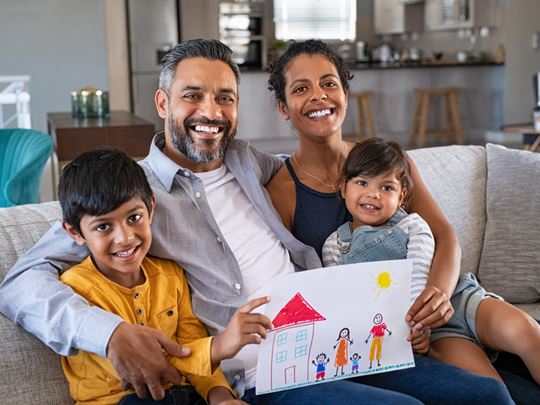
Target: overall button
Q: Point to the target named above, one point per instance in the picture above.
(170, 312)
(237, 286)
(197, 195)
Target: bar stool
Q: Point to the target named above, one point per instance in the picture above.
(419, 131)
(365, 120)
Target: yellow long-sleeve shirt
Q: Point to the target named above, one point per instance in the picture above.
(161, 302)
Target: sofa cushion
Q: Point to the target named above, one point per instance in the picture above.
(510, 262)
(456, 178)
(31, 373)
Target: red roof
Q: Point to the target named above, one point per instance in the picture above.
(296, 312)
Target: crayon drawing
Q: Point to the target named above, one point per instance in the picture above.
(320, 318)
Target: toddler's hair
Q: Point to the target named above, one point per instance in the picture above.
(375, 156)
(98, 182)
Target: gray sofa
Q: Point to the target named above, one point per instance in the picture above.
(490, 195)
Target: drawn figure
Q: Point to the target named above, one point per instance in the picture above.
(377, 331)
(342, 353)
(320, 362)
(354, 359)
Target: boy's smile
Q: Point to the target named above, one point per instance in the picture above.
(118, 241)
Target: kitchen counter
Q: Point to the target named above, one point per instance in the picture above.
(422, 64)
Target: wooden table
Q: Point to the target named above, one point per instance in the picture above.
(73, 136)
(525, 130)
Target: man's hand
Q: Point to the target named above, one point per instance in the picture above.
(244, 328)
(431, 309)
(136, 353)
(419, 340)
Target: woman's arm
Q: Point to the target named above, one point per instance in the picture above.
(283, 195)
(432, 308)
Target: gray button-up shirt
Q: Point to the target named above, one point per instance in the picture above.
(184, 230)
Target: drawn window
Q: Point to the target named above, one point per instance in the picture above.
(300, 351)
(281, 356)
(302, 335)
(282, 339)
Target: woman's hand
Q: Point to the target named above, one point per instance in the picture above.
(431, 309)
(419, 340)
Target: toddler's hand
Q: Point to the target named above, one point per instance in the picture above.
(244, 328)
(419, 340)
(431, 309)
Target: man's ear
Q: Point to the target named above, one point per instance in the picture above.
(162, 103)
(152, 207)
(282, 108)
(73, 233)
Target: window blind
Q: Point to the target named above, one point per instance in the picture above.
(319, 19)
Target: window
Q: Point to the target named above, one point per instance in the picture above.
(282, 339)
(300, 351)
(318, 19)
(302, 335)
(281, 356)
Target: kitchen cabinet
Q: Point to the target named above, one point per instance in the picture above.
(395, 17)
(458, 14)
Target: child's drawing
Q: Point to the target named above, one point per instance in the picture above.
(342, 353)
(377, 331)
(320, 362)
(354, 360)
(309, 312)
(294, 328)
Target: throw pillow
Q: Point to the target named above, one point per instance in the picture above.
(510, 262)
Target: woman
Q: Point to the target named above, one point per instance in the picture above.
(311, 87)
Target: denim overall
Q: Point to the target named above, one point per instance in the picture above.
(373, 243)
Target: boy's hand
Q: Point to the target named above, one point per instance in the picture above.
(419, 340)
(431, 309)
(136, 353)
(244, 328)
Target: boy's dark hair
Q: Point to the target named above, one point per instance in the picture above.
(98, 182)
(210, 49)
(276, 81)
(375, 156)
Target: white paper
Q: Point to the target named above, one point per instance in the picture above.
(310, 311)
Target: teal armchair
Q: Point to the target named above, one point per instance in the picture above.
(23, 154)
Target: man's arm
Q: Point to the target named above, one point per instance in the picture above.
(32, 296)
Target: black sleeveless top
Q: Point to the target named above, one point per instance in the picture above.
(317, 214)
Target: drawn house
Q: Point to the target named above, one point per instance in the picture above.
(294, 328)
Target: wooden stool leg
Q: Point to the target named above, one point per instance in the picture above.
(361, 120)
(368, 117)
(414, 123)
(456, 120)
(424, 108)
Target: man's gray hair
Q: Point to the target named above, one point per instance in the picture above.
(211, 49)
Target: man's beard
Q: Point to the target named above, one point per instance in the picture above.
(184, 143)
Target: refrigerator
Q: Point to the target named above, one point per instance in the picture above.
(153, 27)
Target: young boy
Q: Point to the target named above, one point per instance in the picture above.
(108, 205)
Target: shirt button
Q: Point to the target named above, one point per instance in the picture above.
(218, 239)
(170, 312)
(136, 295)
(237, 286)
(197, 195)
(139, 311)
(141, 323)
(186, 173)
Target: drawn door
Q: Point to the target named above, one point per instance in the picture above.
(290, 375)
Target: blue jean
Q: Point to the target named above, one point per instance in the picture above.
(184, 395)
(335, 392)
(433, 382)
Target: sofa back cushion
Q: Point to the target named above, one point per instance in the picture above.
(31, 373)
(456, 178)
(510, 263)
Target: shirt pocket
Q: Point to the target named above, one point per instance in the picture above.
(168, 320)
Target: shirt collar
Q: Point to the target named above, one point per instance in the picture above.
(165, 168)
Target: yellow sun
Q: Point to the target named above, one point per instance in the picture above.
(383, 282)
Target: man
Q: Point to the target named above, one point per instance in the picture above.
(213, 218)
